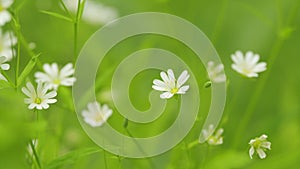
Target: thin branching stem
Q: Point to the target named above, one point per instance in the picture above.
(256, 95)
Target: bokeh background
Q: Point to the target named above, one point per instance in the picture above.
(268, 105)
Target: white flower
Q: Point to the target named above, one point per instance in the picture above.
(4, 14)
(7, 41)
(247, 65)
(3, 66)
(94, 12)
(260, 145)
(211, 137)
(170, 85)
(39, 98)
(96, 115)
(54, 77)
(216, 72)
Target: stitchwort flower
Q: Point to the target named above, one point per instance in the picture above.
(216, 72)
(4, 14)
(39, 98)
(54, 77)
(213, 138)
(170, 86)
(247, 65)
(96, 115)
(260, 145)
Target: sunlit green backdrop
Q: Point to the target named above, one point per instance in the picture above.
(272, 101)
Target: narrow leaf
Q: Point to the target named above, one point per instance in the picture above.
(57, 15)
(71, 158)
(27, 69)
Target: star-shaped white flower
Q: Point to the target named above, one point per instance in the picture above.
(38, 98)
(94, 12)
(96, 115)
(216, 72)
(260, 145)
(4, 14)
(7, 41)
(54, 77)
(213, 138)
(247, 65)
(170, 86)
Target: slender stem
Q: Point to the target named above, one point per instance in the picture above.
(152, 165)
(188, 153)
(105, 159)
(35, 155)
(76, 28)
(193, 144)
(219, 22)
(202, 165)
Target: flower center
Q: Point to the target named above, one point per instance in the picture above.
(174, 90)
(99, 117)
(38, 100)
(56, 81)
(257, 144)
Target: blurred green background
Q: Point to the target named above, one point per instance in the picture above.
(267, 27)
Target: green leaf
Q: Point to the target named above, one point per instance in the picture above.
(57, 15)
(4, 84)
(27, 69)
(71, 158)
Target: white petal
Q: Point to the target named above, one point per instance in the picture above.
(171, 74)
(260, 67)
(166, 95)
(4, 17)
(159, 83)
(183, 89)
(251, 152)
(67, 70)
(164, 77)
(182, 78)
(31, 106)
(50, 95)
(50, 101)
(266, 145)
(159, 88)
(26, 92)
(261, 153)
(5, 66)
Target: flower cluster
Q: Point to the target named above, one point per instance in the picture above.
(247, 65)
(51, 79)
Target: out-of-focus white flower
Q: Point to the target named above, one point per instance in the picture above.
(39, 98)
(170, 86)
(211, 137)
(247, 65)
(96, 115)
(216, 72)
(3, 66)
(4, 14)
(94, 12)
(7, 41)
(260, 145)
(54, 77)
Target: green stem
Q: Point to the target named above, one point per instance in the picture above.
(105, 159)
(219, 22)
(35, 155)
(202, 165)
(152, 165)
